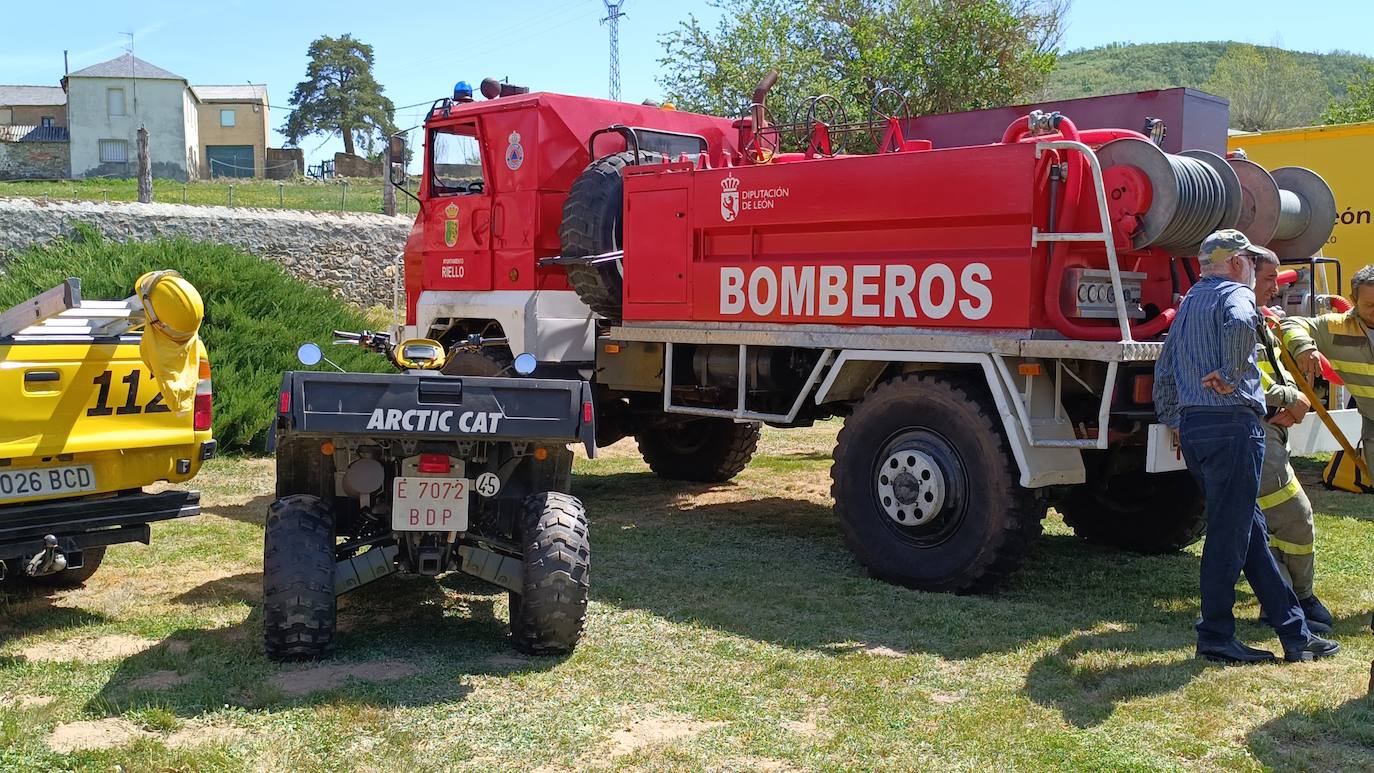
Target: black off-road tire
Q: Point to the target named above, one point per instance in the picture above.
(302, 469)
(699, 450)
(487, 361)
(69, 578)
(298, 604)
(1135, 510)
(982, 523)
(548, 616)
(592, 226)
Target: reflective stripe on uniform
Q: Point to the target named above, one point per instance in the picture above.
(1269, 501)
(1359, 390)
(1291, 548)
(1356, 368)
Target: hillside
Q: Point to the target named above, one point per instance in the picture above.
(1120, 67)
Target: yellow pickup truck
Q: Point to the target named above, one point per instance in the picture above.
(98, 399)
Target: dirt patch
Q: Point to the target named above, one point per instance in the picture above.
(88, 650)
(329, 677)
(805, 727)
(880, 651)
(946, 697)
(654, 730)
(200, 736)
(178, 647)
(159, 680)
(508, 661)
(33, 701)
(100, 734)
(763, 764)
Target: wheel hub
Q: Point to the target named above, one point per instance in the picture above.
(911, 488)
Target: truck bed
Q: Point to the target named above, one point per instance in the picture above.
(435, 406)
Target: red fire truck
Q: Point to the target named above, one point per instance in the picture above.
(985, 318)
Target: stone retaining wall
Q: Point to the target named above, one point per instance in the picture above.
(352, 254)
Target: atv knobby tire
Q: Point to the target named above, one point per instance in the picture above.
(487, 361)
(929, 450)
(592, 226)
(298, 605)
(700, 450)
(1135, 510)
(547, 617)
(70, 578)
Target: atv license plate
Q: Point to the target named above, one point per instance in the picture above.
(429, 504)
(46, 482)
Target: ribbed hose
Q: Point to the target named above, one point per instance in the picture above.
(1201, 205)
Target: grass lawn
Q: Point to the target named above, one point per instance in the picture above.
(729, 630)
(364, 195)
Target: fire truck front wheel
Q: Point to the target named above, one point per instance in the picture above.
(926, 487)
(698, 450)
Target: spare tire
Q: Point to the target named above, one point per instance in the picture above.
(592, 226)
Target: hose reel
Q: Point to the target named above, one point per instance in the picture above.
(1172, 202)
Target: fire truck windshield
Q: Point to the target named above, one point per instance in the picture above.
(455, 161)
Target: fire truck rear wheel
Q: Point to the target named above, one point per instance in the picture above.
(1136, 510)
(591, 226)
(699, 450)
(72, 578)
(548, 616)
(926, 487)
(298, 605)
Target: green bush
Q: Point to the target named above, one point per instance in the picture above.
(255, 315)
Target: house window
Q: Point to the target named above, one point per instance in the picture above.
(226, 117)
(114, 101)
(6, 116)
(45, 122)
(114, 151)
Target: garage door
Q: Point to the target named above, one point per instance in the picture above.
(230, 160)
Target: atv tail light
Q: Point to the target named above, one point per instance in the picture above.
(284, 406)
(1142, 389)
(587, 411)
(204, 407)
(434, 463)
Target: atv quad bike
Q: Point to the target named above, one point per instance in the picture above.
(425, 473)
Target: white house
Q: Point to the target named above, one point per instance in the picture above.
(107, 102)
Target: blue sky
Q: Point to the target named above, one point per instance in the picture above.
(555, 45)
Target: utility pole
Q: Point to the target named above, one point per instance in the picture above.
(613, 16)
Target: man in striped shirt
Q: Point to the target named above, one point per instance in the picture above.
(1207, 389)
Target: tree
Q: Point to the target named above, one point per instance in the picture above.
(944, 55)
(1358, 102)
(339, 96)
(1269, 88)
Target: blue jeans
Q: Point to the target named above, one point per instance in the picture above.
(1224, 448)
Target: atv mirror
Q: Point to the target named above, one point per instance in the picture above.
(525, 364)
(309, 354)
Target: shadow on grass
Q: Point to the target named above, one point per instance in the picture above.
(253, 511)
(775, 569)
(1325, 501)
(1340, 738)
(28, 609)
(403, 641)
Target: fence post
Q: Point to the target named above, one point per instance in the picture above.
(105, 192)
(281, 195)
(343, 197)
(183, 194)
(231, 194)
(145, 168)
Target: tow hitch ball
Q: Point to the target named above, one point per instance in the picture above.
(50, 561)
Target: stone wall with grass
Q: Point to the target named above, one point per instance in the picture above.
(351, 254)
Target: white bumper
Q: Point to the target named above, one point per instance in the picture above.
(553, 325)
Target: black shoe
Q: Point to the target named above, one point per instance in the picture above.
(1315, 649)
(1314, 625)
(1233, 652)
(1317, 613)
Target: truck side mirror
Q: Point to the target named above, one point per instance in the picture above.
(396, 149)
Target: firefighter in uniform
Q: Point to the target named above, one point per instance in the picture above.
(1286, 509)
(1347, 340)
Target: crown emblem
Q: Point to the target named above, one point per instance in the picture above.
(451, 210)
(515, 138)
(730, 183)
